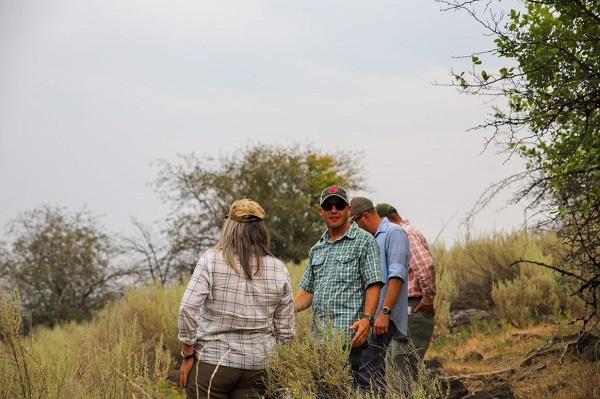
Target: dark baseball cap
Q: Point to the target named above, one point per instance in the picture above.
(334, 191)
(384, 209)
(360, 205)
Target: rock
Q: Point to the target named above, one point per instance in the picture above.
(588, 347)
(473, 357)
(466, 317)
(454, 389)
(435, 363)
(500, 392)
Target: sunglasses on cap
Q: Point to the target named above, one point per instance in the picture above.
(327, 206)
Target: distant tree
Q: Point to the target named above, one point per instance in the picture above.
(151, 256)
(551, 119)
(285, 180)
(60, 263)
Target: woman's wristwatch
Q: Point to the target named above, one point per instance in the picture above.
(185, 357)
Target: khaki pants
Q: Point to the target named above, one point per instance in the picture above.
(407, 353)
(227, 383)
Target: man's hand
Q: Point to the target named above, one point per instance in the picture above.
(382, 323)
(302, 301)
(362, 328)
(424, 307)
(184, 371)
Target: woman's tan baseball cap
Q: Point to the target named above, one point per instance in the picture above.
(245, 210)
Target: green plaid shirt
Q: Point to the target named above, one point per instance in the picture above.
(338, 274)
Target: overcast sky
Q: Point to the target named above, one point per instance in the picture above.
(93, 91)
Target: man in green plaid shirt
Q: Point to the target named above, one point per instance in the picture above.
(343, 278)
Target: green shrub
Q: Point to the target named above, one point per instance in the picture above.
(471, 267)
(305, 363)
(529, 297)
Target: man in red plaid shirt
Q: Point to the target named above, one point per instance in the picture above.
(421, 292)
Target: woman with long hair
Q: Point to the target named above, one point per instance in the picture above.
(237, 304)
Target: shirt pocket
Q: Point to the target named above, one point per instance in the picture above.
(317, 263)
(348, 270)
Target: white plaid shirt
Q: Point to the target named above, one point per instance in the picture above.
(233, 321)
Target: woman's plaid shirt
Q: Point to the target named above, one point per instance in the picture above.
(233, 321)
(338, 274)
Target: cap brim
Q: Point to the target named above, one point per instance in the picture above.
(334, 195)
(245, 219)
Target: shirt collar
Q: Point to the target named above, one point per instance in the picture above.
(351, 233)
(383, 226)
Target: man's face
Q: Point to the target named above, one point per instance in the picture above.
(360, 221)
(364, 221)
(335, 212)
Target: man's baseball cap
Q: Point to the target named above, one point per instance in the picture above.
(334, 191)
(360, 205)
(246, 210)
(384, 209)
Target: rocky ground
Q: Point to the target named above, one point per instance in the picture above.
(547, 361)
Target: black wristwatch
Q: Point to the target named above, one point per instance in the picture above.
(370, 318)
(185, 357)
(386, 310)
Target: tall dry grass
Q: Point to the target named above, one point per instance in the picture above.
(99, 359)
(129, 348)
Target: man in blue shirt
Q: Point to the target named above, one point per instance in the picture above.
(391, 317)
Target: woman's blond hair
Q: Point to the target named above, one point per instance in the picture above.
(245, 245)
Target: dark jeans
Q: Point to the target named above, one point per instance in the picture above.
(227, 383)
(371, 371)
(355, 360)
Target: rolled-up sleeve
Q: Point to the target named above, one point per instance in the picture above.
(284, 319)
(194, 296)
(398, 254)
(370, 268)
(307, 282)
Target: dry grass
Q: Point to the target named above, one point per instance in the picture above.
(128, 348)
(542, 378)
(88, 360)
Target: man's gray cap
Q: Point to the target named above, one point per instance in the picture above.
(360, 205)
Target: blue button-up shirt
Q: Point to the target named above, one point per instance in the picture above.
(394, 251)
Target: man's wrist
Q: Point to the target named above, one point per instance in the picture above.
(370, 318)
(426, 300)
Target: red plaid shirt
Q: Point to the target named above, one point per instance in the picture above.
(421, 274)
